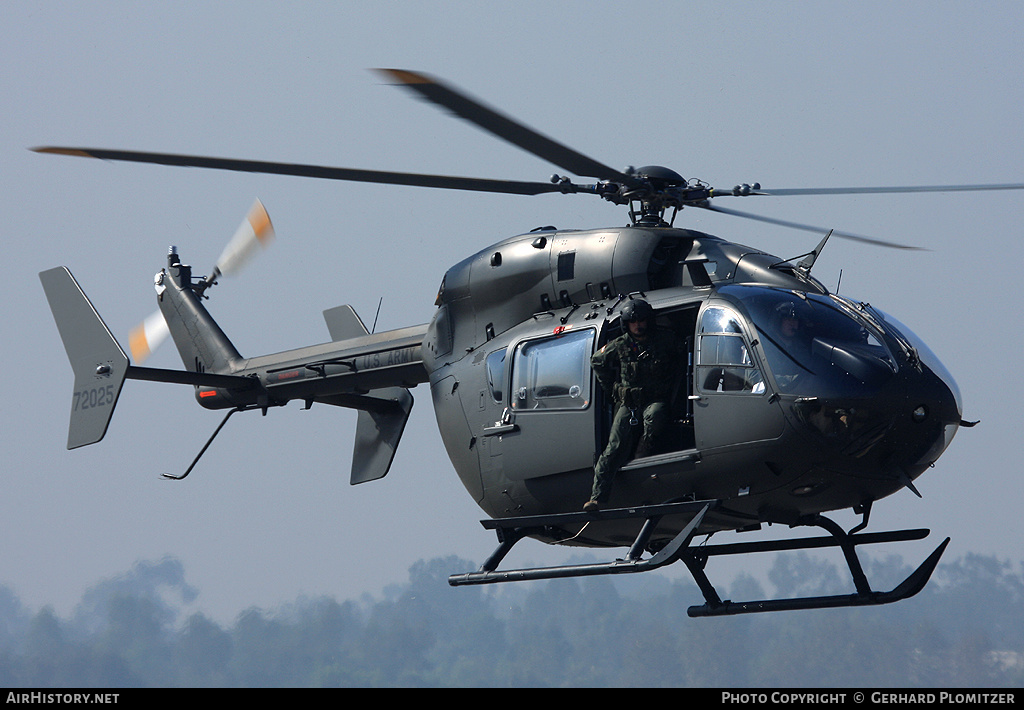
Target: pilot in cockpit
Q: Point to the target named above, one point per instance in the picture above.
(793, 336)
(789, 324)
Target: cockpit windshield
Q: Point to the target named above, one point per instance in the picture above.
(923, 352)
(815, 344)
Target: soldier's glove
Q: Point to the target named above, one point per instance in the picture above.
(636, 396)
(629, 396)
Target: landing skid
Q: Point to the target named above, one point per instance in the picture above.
(512, 530)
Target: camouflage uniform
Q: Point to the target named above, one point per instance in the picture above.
(639, 377)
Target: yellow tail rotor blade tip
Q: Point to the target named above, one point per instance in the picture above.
(259, 220)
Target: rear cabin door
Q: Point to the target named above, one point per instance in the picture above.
(551, 406)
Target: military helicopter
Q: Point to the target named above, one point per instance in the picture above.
(765, 429)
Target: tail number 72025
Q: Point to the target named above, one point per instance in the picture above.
(93, 397)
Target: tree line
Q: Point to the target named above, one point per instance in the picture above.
(965, 629)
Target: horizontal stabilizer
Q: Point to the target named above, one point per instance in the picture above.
(99, 363)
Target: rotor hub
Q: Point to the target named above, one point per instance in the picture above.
(659, 176)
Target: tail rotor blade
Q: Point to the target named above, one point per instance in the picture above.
(254, 231)
(147, 336)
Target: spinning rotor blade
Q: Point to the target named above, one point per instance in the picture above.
(255, 231)
(148, 336)
(809, 228)
(656, 189)
(887, 190)
(504, 127)
(314, 171)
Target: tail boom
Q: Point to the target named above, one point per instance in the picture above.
(371, 373)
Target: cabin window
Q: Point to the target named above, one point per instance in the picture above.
(724, 363)
(567, 266)
(553, 373)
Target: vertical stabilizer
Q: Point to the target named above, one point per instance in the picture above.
(203, 346)
(97, 360)
(343, 323)
(378, 431)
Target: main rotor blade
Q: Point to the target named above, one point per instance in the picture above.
(809, 228)
(504, 127)
(887, 190)
(315, 171)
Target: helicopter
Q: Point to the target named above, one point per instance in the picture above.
(763, 430)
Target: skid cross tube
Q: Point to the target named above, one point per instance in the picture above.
(512, 530)
(864, 596)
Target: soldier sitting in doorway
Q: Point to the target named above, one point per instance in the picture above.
(636, 371)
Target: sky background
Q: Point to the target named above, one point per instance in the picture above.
(788, 94)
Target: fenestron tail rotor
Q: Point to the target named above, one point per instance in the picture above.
(253, 234)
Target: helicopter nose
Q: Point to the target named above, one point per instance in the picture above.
(935, 413)
(891, 433)
(932, 397)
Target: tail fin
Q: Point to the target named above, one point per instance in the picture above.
(202, 344)
(99, 363)
(383, 412)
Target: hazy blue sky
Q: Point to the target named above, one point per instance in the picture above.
(790, 94)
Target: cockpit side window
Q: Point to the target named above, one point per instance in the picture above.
(724, 362)
(554, 372)
(496, 375)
